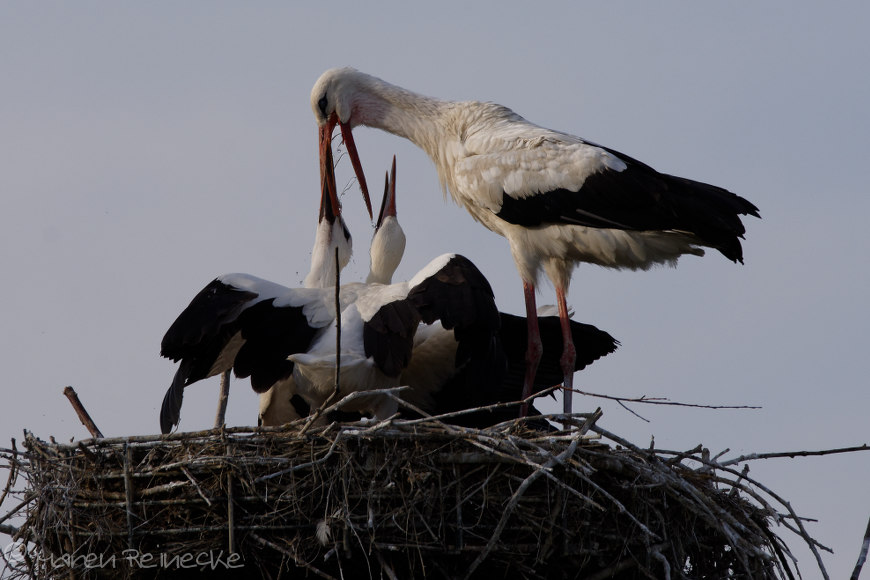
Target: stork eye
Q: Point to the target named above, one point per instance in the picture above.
(322, 103)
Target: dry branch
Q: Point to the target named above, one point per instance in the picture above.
(659, 401)
(862, 557)
(399, 499)
(223, 398)
(793, 454)
(83, 415)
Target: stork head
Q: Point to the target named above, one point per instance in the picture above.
(388, 243)
(333, 103)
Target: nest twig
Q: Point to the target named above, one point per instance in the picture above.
(393, 499)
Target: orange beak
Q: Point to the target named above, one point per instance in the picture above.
(330, 207)
(327, 167)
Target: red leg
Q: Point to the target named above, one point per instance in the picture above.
(534, 348)
(569, 354)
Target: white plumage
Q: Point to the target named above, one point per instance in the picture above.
(556, 198)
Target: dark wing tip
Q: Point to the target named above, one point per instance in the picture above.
(170, 410)
(214, 307)
(591, 344)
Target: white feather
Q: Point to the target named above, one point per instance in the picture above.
(322, 532)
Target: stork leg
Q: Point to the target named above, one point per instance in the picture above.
(534, 349)
(569, 353)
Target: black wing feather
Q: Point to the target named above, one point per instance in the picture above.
(207, 324)
(642, 199)
(170, 410)
(271, 334)
(201, 333)
(590, 344)
(461, 298)
(503, 381)
(389, 336)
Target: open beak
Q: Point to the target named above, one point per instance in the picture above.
(388, 203)
(330, 206)
(327, 168)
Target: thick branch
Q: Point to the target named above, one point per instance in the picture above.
(84, 417)
(220, 417)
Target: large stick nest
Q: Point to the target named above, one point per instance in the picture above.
(396, 499)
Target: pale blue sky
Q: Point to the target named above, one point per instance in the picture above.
(147, 148)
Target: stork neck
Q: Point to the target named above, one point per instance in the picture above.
(329, 236)
(405, 113)
(388, 246)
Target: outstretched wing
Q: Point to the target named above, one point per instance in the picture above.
(237, 322)
(205, 338)
(450, 290)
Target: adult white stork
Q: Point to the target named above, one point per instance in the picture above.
(557, 198)
(251, 325)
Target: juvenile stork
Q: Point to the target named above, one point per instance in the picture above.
(243, 323)
(558, 199)
(284, 338)
(439, 334)
(380, 321)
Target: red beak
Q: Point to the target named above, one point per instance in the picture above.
(330, 207)
(327, 168)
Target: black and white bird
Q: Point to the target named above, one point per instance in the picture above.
(251, 325)
(380, 322)
(439, 334)
(284, 338)
(558, 199)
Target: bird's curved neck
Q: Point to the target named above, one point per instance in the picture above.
(402, 112)
(388, 247)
